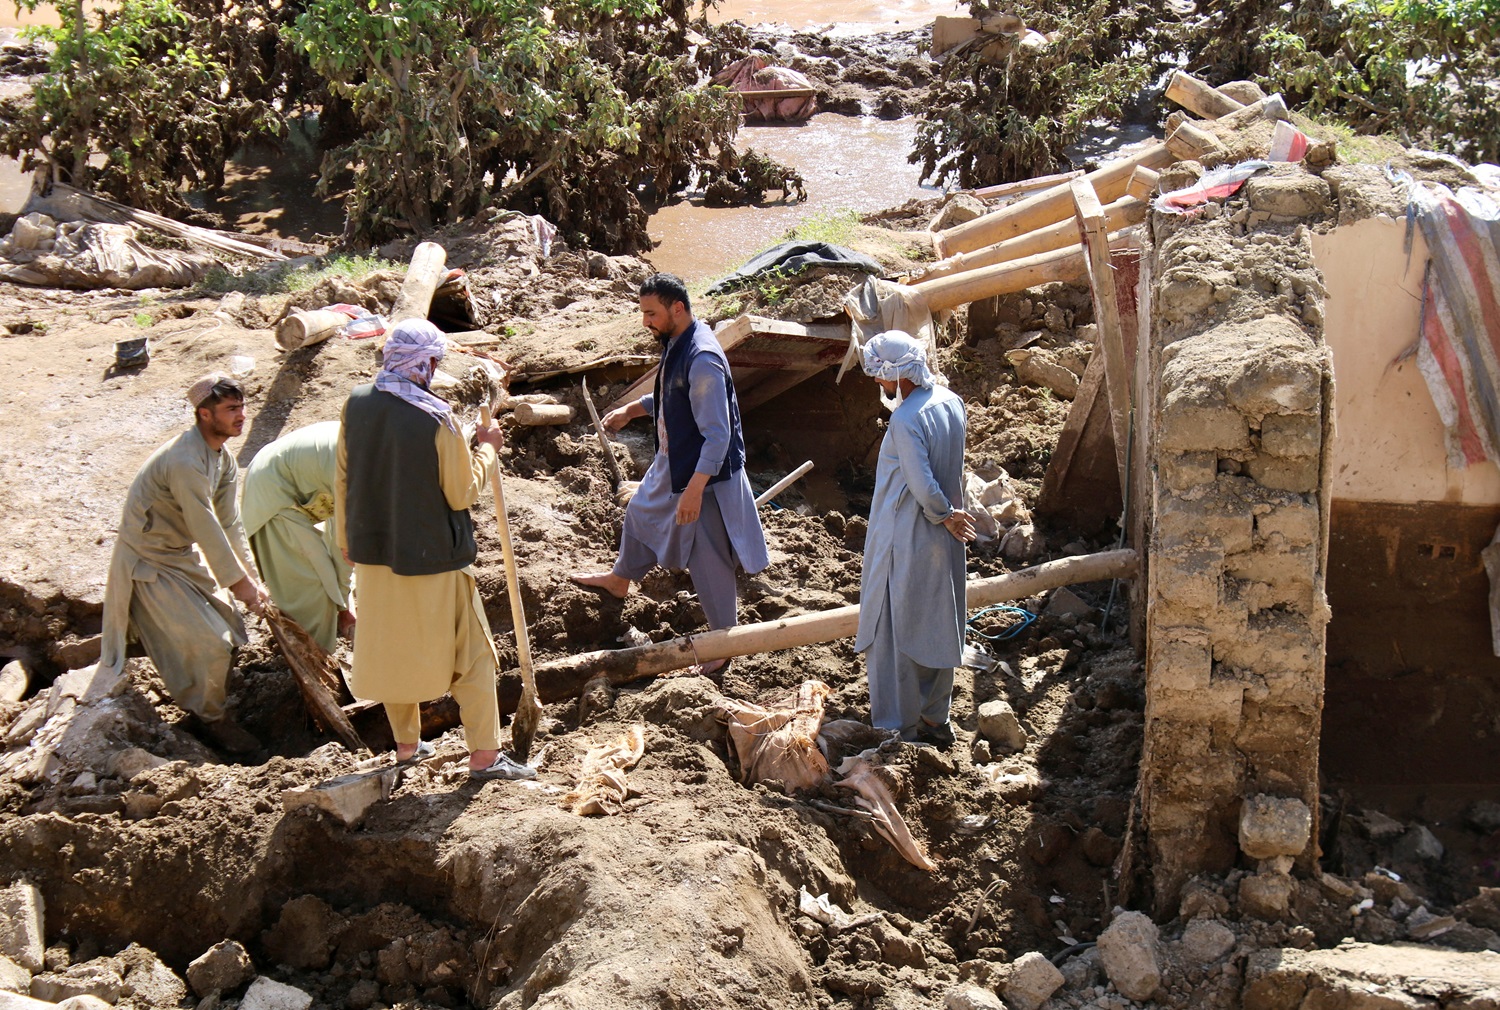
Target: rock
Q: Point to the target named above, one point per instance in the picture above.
(1484, 816)
(1036, 367)
(1362, 976)
(972, 997)
(148, 981)
(363, 994)
(1127, 949)
(21, 912)
(998, 724)
(1098, 847)
(1423, 925)
(83, 1003)
(13, 681)
(598, 265)
(1244, 92)
(896, 947)
(1200, 899)
(1204, 941)
(1021, 543)
(13, 977)
(1031, 982)
(131, 761)
(1483, 909)
(1266, 895)
(305, 934)
(1378, 826)
(961, 207)
(1274, 826)
(1299, 195)
(265, 994)
(222, 967)
(347, 798)
(1419, 844)
(91, 979)
(1081, 970)
(1065, 601)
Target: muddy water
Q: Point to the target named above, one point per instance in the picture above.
(837, 17)
(848, 164)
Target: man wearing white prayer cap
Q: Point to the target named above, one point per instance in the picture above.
(159, 590)
(912, 596)
(405, 480)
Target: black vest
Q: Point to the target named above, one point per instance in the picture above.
(684, 440)
(395, 513)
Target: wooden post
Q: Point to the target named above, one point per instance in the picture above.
(1003, 278)
(1202, 100)
(1047, 207)
(542, 413)
(1095, 236)
(1122, 213)
(1190, 142)
(1142, 185)
(565, 678)
(428, 268)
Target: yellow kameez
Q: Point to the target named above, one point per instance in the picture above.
(423, 636)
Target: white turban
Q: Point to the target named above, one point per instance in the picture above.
(894, 355)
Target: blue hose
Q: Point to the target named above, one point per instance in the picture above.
(1026, 619)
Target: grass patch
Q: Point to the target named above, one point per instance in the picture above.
(835, 227)
(1361, 148)
(143, 319)
(286, 278)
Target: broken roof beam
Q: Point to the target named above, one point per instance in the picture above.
(565, 678)
(425, 273)
(1094, 233)
(1124, 212)
(1201, 99)
(1066, 265)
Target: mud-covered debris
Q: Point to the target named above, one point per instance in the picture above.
(1204, 941)
(348, 798)
(99, 979)
(602, 786)
(13, 978)
(972, 997)
(21, 921)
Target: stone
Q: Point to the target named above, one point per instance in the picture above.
(1064, 601)
(1379, 826)
(598, 265)
(1244, 92)
(1098, 847)
(972, 997)
(1274, 826)
(1297, 195)
(13, 977)
(1081, 970)
(91, 979)
(1204, 941)
(84, 1002)
(267, 994)
(1363, 976)
(1423, 925)
(1291, 434)
(224, 966)
(1031, 981)
(1484, 816)
(346, 798)
(1037, 367)
(1266, 895)
(998, 724)
(960, 208)
(1128, 951)
(21, 917)
(13, 681)
(305, 933)
(1419, 844)
(132, 761)
(363, 994)
(1483, 909)
(148, 980)
(1198, 899)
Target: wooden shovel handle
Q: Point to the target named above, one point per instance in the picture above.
(512, 582)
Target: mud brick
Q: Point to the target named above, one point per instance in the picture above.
(1273, 642)
(1217, 704)
(1298, 523)
(1202, 429)
(1274, 826)
(1181, 471)
(1276, 729)
(1300, 195)
(1284, 473)
(1291, 434)
(1179, 660)
(1186, 579)
(1224, 524)
(1273, 567)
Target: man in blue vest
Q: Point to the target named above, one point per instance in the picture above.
(694, 509)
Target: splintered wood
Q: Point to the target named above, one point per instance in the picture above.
(317, 676)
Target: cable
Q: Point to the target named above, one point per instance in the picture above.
(1027, 618)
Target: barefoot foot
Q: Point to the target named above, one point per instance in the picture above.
(615, 585)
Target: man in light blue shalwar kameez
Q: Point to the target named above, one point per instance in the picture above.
(694, 508)
(912, 602)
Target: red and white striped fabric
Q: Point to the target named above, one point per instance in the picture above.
(1459, 347)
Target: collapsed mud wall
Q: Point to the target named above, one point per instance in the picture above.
(1239, 393)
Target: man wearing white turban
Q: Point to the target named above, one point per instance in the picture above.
(911, 601)
(159, 590)
(404, 483)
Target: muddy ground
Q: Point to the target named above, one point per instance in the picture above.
(146, 844)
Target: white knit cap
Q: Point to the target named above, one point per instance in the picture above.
(894, 355)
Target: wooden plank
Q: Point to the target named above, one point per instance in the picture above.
(1095, 236)
(1025, 186)
(772, 386)
(1081, 488)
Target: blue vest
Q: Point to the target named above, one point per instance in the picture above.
(684, 440)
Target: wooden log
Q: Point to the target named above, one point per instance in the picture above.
(782, 484)
(1201, 99)
(428, 268)
(565, 678)
(300, 329)
(1122, 213)
(1095, 238)
(1047, 207)
(1025, 186)
(1190, 142)
(1142, 184)
(542, 413)
(1065, 265)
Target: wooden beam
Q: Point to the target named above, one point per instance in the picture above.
(1201, 99)
(1081, 489)
(1047, 207)
(565, 678)
(1095, 236)
(1025, 186)
(429, 265)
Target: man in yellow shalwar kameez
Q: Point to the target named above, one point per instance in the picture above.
(288, 491)
(158, 591)
(406, 480)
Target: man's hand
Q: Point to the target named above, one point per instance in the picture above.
(250, 593)
(961, 525)
(490, 434)
(690, 505)
(621, 416)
